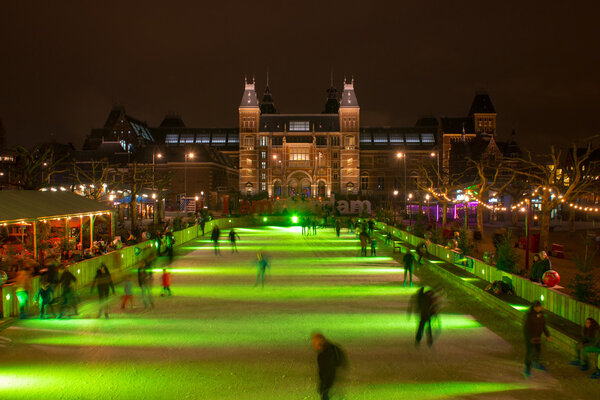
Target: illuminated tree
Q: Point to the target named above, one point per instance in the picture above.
(441, 188)
(97, 176)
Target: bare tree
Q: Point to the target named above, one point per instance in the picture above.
(548, 179)
(441, 188)
(98, 177)
(36, 166)
(488, 176)
(135, 178)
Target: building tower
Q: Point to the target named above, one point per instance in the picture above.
(349, 114)
(249, 114)
(483, 113)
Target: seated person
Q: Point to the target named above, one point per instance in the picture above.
(500, 288)
(588, 343)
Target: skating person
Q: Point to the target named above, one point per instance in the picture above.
(103, 282)
(330, 357)
(421, 251)
(588, 343)
(388, 238)
(371, 226)
(233, 237)
(351, 225)
(170, 245)
(128, 293)
(373, 247)
(314, 226)
(338, 228)
(409, 262)
(364, 241)
(143, 281)
(202, 225)
(67, 279)
(166, 282)
(23, 284)
(44, 298)
(533, 327)
(426, 304)
(261, 267)
(216, 232)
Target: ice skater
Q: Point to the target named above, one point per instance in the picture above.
(338, 228)
(409, 262)
(233, 237)
(170, 245)
(262, 264)
(44, 297)
(427, 304)
(330, 357)
(373, 247)
(69, 300)
(128, 293)
(533, 327)
(216, 233)
(364, 240)
(166, 282)
(103, 282)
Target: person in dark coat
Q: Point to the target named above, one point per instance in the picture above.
(44, 298)
(364, 240)
(371, 226)
(534, 275)
(202, 225)
(67, 279)
(409, 262)
(103, 281)
(589, 342)
(330, 357)
(421, 251)
(338, 227)
(426, 303)
(170, 245)
(216, 232)
(233, 238)
(533, 327)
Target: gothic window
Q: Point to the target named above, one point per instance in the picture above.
(263, 164)
(364, 182)
(248, 141)
(263, 141)
(263, 154)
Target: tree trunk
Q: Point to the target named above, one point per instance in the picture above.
(545, 225)
(514, 217)
(133, 213)
(571, 219)
(444, 213)
(480, 218)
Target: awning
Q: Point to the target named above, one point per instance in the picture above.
(32, 205)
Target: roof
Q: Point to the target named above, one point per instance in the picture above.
(172, 121)
(221, 137)
(299, 123)
(482, 104)
(249, 99)
(203, 153)
(389, 136)
(348, 96)
(28, 205)
(267, 105)
(455, 125)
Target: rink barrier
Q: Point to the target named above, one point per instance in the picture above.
(120, 261)
(554, 301)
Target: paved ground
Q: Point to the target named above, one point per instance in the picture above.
(219, 337)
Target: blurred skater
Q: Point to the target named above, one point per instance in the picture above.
(44, 298)
(330, 357)
(128, 293)
(533, 327)
(23, 284)
(233, 237)
(261, 267)
(103, 282)
(338, 227)
(166, 282)
(69, 298)
(427, 304)
(214, 236)
(170, 245)
(373, 247)
(364, 240)
(409, 262)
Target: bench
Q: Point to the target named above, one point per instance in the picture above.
(557, 251)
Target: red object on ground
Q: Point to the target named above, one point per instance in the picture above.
(551, 278)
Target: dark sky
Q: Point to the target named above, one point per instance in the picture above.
(65, 63)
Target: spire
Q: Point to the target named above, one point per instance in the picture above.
(267, 105)
(349, 96)
(333, 104)
(249, 99)
(463, 135)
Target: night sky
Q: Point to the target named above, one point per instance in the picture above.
(65, 63)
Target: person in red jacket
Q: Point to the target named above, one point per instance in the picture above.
(534, 326)
(166, 282)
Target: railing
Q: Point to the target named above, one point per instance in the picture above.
(554, 301)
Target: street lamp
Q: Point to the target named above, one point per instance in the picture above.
(187, 156)
(409, 210)
(467, 212)
(428, 211)
(395, 204)
(399, 156)
(437, 163)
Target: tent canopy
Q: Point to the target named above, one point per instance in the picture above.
(30, 205)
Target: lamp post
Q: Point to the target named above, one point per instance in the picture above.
(401, 155)
(428, 213)
(154, 156)
(409, 210)
(395, 204)
(437, 162)
(466, 212)
(187, 156)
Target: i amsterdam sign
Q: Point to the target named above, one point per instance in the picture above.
(344, 207)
